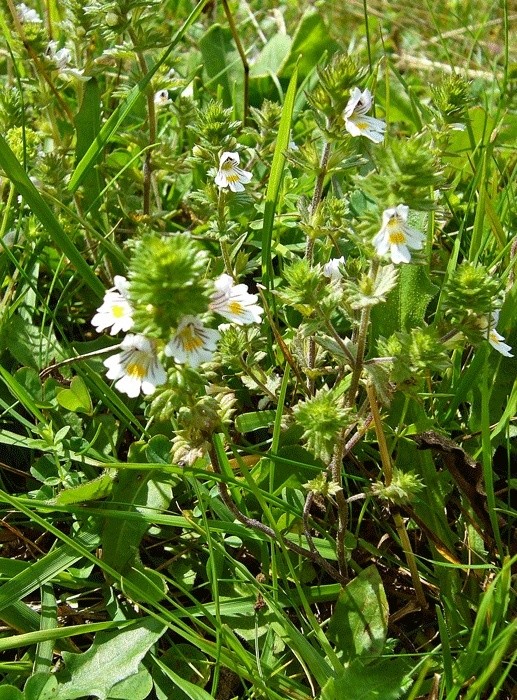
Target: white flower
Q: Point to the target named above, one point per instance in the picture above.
(331, 269)
(161, 98)
(234, 303)
(28, 15)
(116, 311)
(230, 175)
(396, 236)
(136, 368)
(356, 121)
(495, 339)
(61, 59)
(192, 343)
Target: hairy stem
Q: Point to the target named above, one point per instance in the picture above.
(258, 525)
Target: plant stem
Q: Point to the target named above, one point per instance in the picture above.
(316, 197)
(387, 469)
(244, 60)
(361, 342)
(309, 250)
(151, 116)
(258, 525)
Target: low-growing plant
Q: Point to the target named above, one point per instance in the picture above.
(258, 386)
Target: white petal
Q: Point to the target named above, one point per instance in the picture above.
(236, 186)
(400, 254)
(129, 385)
(497, 342)
(381, 243)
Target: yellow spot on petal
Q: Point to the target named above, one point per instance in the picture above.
(117, 311)
(189, 339)
(232, 177)
(396, 234)
(135, 370)
(235, 307)
(396, 237)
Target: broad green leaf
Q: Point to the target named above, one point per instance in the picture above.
(87, 126)
(113, 657)
(76, 398)
(11, 692)
(136, 687)
(360, 620)
(222, 62)
(405, 306)
(138, 493)
(140, 578)
(311, 42)
(41, 686)
(270, 58)
(28, 344)
(385, 679)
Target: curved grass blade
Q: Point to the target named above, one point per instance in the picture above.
(275, 179)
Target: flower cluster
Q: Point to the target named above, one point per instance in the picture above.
(137, 368)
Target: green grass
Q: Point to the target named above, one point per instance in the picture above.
(324, 507)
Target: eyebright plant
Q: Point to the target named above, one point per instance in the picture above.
(308, 278)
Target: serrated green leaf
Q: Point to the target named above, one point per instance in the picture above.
(360, 620)
(113, 657)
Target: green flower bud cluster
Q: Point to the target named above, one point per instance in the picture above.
(403, 489)
(214, 127)
(167, 283)
(11, 108)
(407, 171)
(15, 139)
(320, 486)
(234, 343)
(308, 288)
(322, 418)
(414, 354)
(469, 296)
(329, 219)
(332, 93)
(452, 98)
